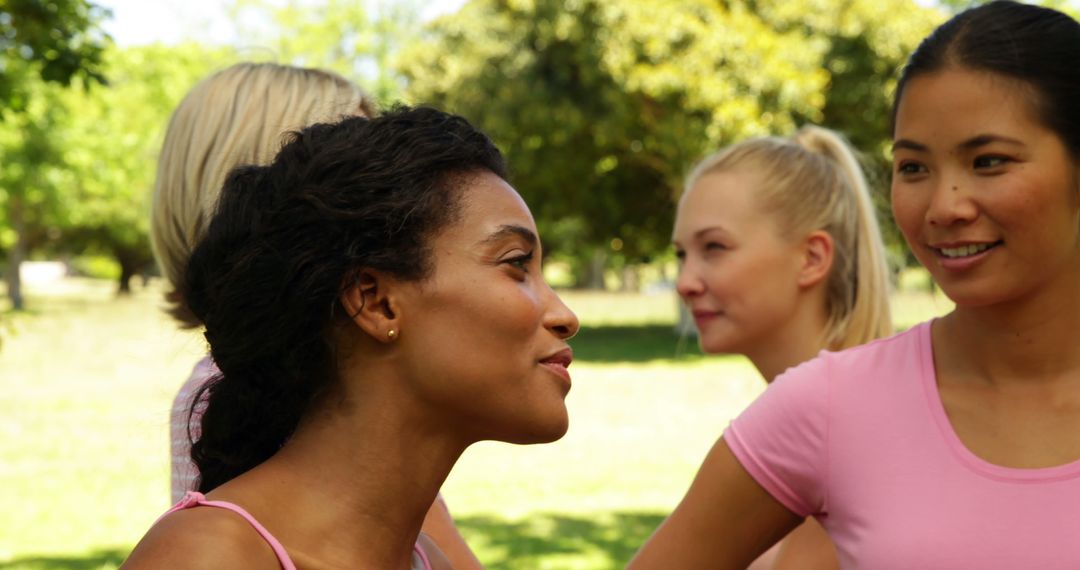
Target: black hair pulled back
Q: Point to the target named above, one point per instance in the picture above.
(284, 242)
(1036, 45)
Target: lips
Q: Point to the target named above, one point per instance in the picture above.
(702, 317)
(558, 363)
(561, 358)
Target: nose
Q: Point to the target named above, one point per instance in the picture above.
(559, 319)
(689, 284)
(951, 203)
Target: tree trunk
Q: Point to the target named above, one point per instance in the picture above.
(130, 264)
(18, 251)
(631, 282)
(126, 273)
(594, 270)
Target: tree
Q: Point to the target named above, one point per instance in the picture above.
(601, 107)
(111, 143)
(59, 38)
(41, 41)
(357, 40)
(867, 47)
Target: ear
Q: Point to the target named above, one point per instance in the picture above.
(818, 251)
(370, 302)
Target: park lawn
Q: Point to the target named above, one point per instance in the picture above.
(87, 380)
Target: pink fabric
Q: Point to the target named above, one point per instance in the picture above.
(193, 499)
(860, 440)
(183, 470)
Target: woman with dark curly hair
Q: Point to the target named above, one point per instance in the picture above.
(374, 302)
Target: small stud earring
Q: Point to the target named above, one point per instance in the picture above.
(391, 334)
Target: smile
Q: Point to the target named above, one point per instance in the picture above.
(965, 250)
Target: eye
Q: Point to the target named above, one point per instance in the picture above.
(909, 168)
(715, 246)
(990, 161)
(680, 254)
(520, 262)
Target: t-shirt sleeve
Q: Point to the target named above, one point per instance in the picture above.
(782, 438)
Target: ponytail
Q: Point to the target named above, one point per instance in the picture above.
(860, 289)
(250, 416)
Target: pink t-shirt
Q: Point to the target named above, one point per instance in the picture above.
(859, 439)
(184, 472)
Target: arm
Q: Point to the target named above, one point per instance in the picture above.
(439, 528)
(807, 548)
(725, 520)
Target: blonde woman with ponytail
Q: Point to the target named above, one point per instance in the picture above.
(781, 257)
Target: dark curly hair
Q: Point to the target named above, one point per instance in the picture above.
(1037, 45)
(285, 240)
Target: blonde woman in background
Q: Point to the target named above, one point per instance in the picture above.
(780, 258)
(240, 116)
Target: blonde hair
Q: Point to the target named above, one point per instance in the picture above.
(236, 116)
(814, 182)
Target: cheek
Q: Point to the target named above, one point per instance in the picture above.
(908, 211)
(505, 320)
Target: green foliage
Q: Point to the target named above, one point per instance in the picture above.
(96, 266)
(81, 162)
(31, 181)
(111, 144)
(602, 107)
(355, 39)
(867, 47)
(58, 40)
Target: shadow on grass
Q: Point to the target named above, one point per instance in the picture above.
(605, 540)
(642, 343)
(96, 560)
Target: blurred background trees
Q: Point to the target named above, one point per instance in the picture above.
(42, 44)
(600, 106)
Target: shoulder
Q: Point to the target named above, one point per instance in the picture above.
(881, 357)
(202, 537)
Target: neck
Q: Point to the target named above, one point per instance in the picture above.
(801, 338)
(1028, 339)
(361, 472)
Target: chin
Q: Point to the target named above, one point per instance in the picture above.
(718, 345)
(547, 431)
(968, 296)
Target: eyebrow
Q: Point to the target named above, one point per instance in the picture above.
(704, 231)
(511, 230)
(970, 144)
(701, 232)
(983, 140)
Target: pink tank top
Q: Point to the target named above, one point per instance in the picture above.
(195, 499)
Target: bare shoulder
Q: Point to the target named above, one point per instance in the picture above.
(202, 537)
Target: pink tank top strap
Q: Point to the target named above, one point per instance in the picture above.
(423, 556)
(195, 499)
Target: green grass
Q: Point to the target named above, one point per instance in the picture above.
(87, 380)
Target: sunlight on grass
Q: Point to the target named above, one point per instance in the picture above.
(88, 379)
